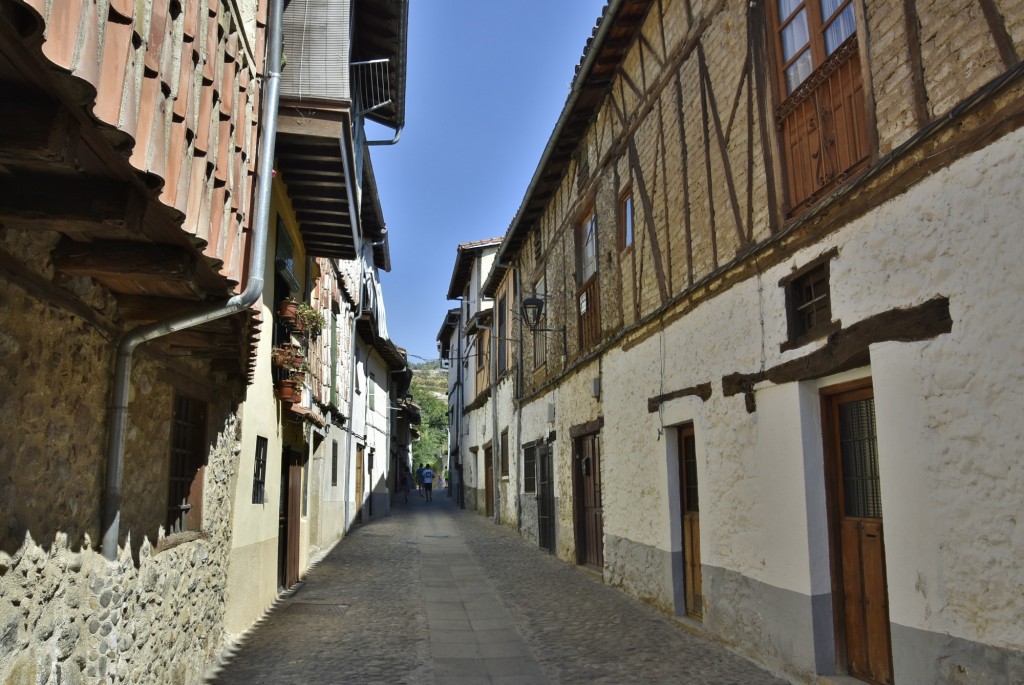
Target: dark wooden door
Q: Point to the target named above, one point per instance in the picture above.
(589, 515)
(545, 498)
(288, 520)
(690, 506)
(359, 483)
(859, 580)
(488, 483)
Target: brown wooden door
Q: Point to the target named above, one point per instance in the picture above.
(690, 506)
(359, 483)
(589, 514)
(545, 498)
(288, 519)
(488, 483)
(859, 581)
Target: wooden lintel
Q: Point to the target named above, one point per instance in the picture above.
(87, 204)
(121, 258)
(703, 391)
(849, 346)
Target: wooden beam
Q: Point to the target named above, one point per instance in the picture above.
(703, 391)
(14, 271)
(124, 258)
(70, 204)
(850, 345)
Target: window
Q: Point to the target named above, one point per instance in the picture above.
(626, 221)
(334, 462)
(530, 469)
(586, 247)
(808, 303)
(502, 333)
(504, 453)
(259, 475)
(822, 115)
(188, 461)
(480, 351)
(540, 341)
(588, 306)
(371, 393)
(538, 246)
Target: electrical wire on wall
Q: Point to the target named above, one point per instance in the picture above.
(661, 382)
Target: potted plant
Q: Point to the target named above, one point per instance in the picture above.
(287, 309)
(309, 320)
(287, 356)
(289, 390)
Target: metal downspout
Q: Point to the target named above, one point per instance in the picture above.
(398, 134)
(253, 289)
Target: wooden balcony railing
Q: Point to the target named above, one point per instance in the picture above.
(823, 129)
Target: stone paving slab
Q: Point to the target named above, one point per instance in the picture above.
(432, 594)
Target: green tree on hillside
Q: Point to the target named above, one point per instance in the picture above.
(433, 442)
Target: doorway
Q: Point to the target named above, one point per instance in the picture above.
(689, 505)
(545, 498)
(488, 483)
(589, 514)
(853, 489)
(359, 483)
(288, 518)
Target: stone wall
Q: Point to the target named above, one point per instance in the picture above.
(68, 615)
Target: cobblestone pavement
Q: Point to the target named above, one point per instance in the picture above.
(432, 594)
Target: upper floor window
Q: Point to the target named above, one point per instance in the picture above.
(809, 302)
(502, 313)
(586, 249)
(371, 393)
(822, 115)
(626, 221)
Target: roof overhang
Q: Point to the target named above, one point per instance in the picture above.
(381, 32)
(464, 258)
(448, 328)
(607, 47)
(315, 160)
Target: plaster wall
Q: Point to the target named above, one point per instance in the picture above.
(946, 409)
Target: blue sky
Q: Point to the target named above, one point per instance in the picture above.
(486, 83)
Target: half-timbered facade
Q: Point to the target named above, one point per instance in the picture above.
(773, 250)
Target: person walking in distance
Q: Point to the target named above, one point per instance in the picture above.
(404, 482)
(428, 483)
(419, 480)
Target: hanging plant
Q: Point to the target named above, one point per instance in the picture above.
(309, 320)
(287, 356)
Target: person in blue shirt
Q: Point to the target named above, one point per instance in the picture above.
(428, 483)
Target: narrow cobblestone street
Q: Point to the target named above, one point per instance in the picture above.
(433, 594)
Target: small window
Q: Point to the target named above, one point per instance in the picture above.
(188, 461)
(626, 221)
(809, 303)
(259, 475)
(371, 393)
(504, 452)
(530, 469)
(334, 462)
(480, 356)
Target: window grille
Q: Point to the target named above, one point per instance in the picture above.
(504, 453)
(259, 476)
(862, 494)
(334, 462)
(530, 469)
(188, 456)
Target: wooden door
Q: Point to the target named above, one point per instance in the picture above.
(589, 514)
(359, 483)
(488, 483)
(690, 508)
(288, 519)
(858, 549)
(545, 498)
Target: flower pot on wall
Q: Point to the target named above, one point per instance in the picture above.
(288, 391)
(287, 309)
